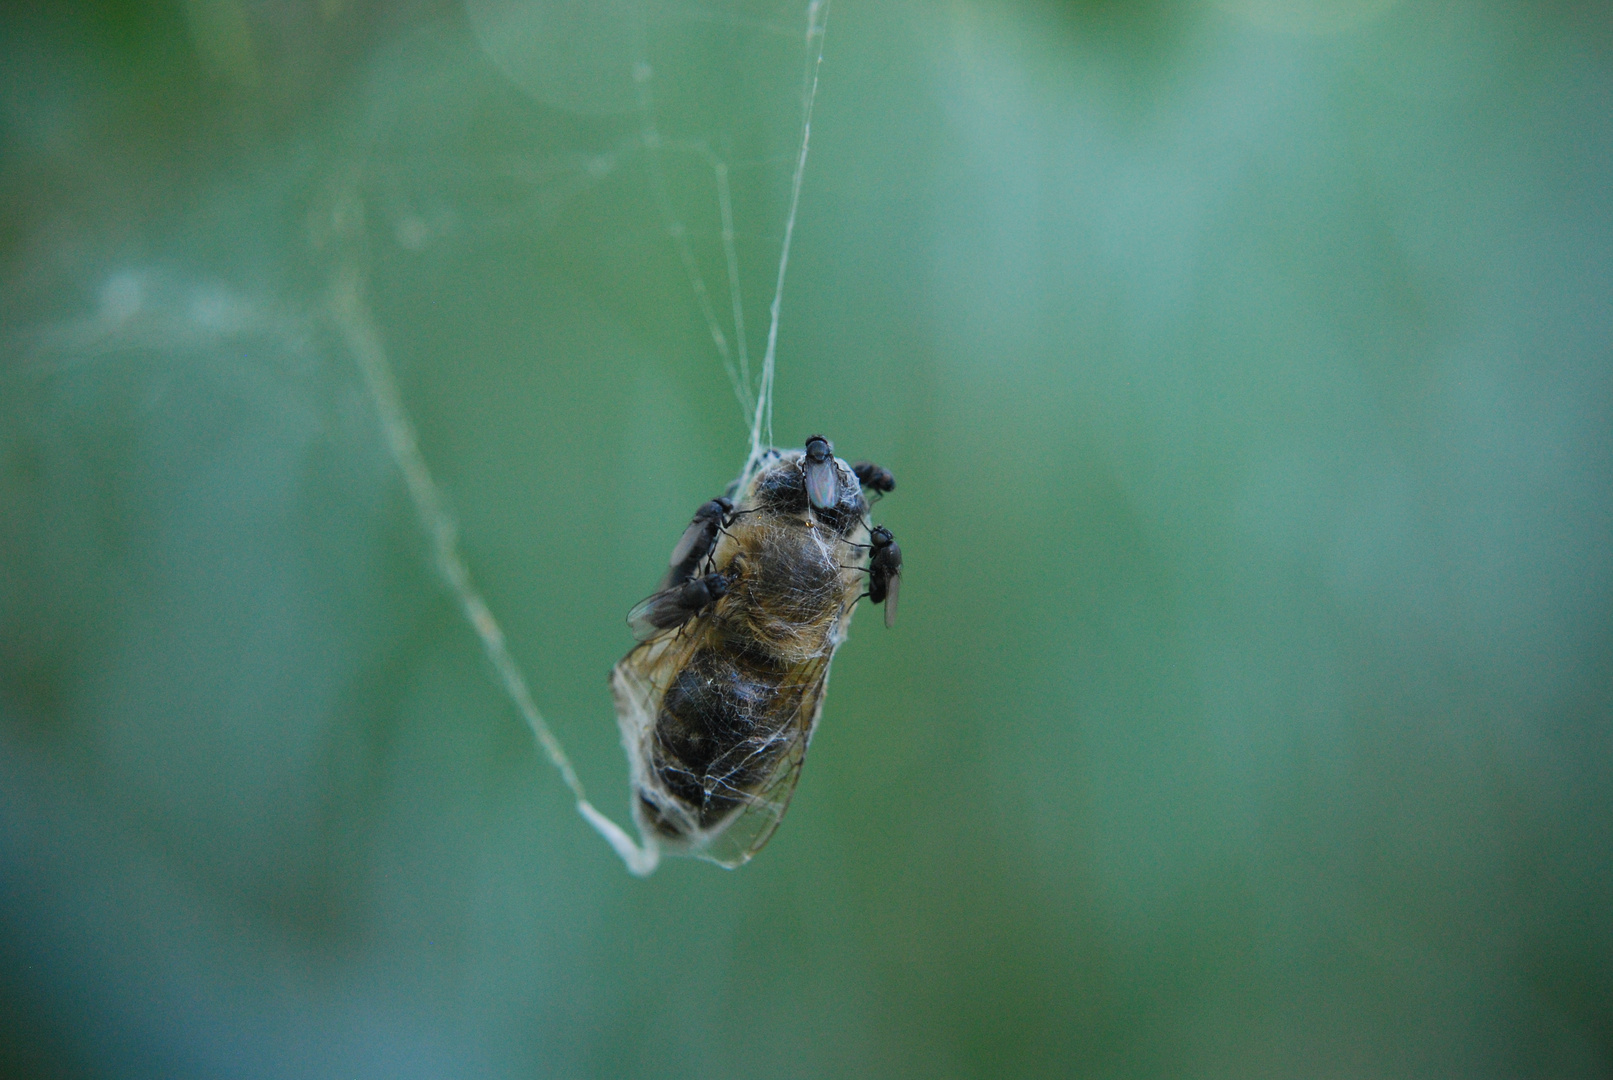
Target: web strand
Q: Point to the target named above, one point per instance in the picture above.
(650, 136)
(731, 256)
(761, 432)
(352, 317)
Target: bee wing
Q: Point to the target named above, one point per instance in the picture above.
(892, 591)
(645, 673)
(639, 683)
(743, 835)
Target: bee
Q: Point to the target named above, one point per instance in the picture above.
(718, 701)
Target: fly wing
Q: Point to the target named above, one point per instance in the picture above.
(646, 617)
(822, 483)
(892, 591)
(740, 837)
(697, 535)
(661, 611)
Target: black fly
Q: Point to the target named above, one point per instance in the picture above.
(874, 477)
(822, 479)
(675, 606)
(884, 571)
(697, 542)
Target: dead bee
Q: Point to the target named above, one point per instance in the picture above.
(884, 571)
(718, 703)
(875, 478)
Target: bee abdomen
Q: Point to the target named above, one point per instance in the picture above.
(720, 730)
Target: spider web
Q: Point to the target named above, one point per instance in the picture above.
(600, 61)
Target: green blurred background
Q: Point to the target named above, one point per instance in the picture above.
(1245, 368)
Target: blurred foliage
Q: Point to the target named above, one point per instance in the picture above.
(1244, 368)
